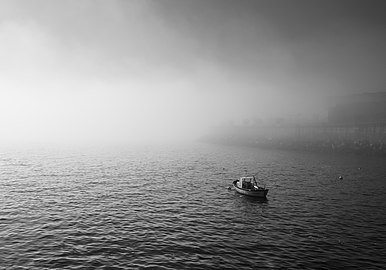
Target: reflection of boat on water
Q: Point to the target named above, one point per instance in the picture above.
(248, 186)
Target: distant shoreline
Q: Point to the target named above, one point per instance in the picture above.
(327, 146)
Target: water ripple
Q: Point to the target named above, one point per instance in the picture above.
(170, 209)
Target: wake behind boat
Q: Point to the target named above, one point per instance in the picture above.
(248, 186)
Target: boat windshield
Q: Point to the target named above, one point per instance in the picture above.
(251, 180)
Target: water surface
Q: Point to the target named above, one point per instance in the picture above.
(169, 208)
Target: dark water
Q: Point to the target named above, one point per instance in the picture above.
(169, 208)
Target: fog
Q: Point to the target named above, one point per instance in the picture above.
(143, 71)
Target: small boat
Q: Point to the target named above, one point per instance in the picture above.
(248, 186)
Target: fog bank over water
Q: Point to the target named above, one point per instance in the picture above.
(142, 71)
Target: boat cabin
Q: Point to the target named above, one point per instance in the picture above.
(246, 182)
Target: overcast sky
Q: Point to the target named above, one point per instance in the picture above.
(169, 69)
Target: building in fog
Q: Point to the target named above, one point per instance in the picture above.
(368, 108)
(356, 123)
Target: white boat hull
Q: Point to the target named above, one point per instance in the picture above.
(258, 193)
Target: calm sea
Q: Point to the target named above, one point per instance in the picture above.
(169, 208)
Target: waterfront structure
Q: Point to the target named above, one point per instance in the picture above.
(356, 123)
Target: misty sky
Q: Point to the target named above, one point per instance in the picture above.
(170, 69)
